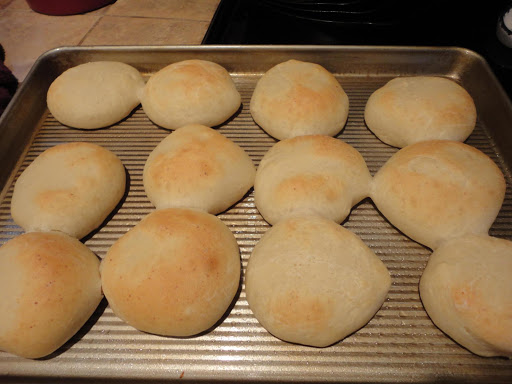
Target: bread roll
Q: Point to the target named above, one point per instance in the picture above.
(190, 92)
(311, 281)
(408, 110)
(197, 167)
(50, 285)
(95, 95)
(433, 191)
(466, 289)
(298, 98)
(313, 174)
(70, 187)
(173, 274)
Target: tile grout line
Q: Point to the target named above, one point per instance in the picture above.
(159, 18)
(90, 29)
(5, 6)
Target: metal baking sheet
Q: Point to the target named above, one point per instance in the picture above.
(400, 344)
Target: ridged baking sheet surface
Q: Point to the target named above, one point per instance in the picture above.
(400, 344)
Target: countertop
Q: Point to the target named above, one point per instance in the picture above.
(25, 34)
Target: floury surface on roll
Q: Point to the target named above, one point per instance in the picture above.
(197, 167)
(174, 274)
(50, 285)
(190, 92)
(466, 289)
(314, 174)
(310, 281)
(296, 98)
(70, 187)
(95, 95)
(433, 191)
(407, 110)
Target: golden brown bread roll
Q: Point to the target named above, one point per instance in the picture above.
(95, 95)
(314, 174)
(298, 98)
(410, 109)
(70, 187)
(50, 285)
(190, 92)
(197, 167)
(466, 289)
(433, 191)
(311, 281)
(174, 274)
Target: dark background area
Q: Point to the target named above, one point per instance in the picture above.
(458, 23)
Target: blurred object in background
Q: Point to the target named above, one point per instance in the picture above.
(66, 7)
(8, 83)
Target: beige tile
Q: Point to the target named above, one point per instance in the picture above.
(176, 9)
(26, 35)
(114, 30)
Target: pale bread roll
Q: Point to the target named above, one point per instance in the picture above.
(311, 281)
(407, 110)
(298, 98)
(50, 285)
(95, 95)
(197, 167)
(174, 274)
(314, 174)
(190, 92)
(70, 187)
(433, 191)
(466, 289)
